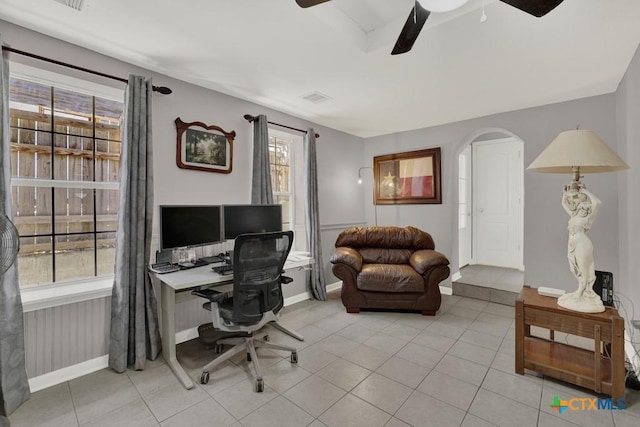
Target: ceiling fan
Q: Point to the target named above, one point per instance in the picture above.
(419, 15)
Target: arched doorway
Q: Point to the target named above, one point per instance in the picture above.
(491, 207)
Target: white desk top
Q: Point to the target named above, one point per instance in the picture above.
(198, 276)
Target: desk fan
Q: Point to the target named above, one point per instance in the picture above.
(9, 244)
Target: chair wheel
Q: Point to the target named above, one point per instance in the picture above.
(248, 357)
(259, 385)
(204, 378)
(217, 349)
(294, 357)
(265, 338)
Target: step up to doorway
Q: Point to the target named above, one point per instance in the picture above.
(495, 284)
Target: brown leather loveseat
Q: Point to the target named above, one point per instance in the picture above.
(389, 268)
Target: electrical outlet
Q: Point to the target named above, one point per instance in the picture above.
(636, 324)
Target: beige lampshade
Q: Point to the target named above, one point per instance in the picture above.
(582, 148)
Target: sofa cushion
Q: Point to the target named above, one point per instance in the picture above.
(348, 256)
(389, 237)
(385, 256)
(396, 278)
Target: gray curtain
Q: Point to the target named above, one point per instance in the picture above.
(14, 385)
(261, 191)
(135, 334)
(316, 284)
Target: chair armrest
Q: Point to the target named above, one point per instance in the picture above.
(285, 279)
(210, 294)
(348, 256)
(425, 259)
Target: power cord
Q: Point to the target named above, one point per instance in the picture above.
(631, 378)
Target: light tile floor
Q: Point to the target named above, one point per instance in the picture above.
(369, 369)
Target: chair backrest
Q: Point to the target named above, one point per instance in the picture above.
(258, 261)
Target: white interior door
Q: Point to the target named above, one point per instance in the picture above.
(497, 200)
(464, 207)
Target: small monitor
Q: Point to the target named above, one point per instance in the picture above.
(242, 219)
(190, 226)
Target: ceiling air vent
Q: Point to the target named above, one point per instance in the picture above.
(316, 97)
(74, 4)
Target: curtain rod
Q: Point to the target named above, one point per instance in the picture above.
(160, 89)
(250, 118)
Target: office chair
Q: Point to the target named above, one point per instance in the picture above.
(258, 261)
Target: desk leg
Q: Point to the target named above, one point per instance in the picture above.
(520, 334)
(169, 335)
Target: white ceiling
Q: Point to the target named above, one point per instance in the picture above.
(273, 53)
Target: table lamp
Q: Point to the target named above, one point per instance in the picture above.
(575, 152)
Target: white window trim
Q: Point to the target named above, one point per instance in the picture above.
(60, 183)
(57, 294)
(66, 292)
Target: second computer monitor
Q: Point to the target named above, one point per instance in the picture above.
(243, 219)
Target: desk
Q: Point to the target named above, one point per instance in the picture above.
(176, 287)
(600, 369)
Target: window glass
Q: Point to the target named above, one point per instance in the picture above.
(280, 159)
(65, 167)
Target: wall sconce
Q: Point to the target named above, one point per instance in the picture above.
(375, 208)
(360, 173)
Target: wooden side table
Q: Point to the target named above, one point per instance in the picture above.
(601, 369)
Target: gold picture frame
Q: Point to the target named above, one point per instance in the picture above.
(412, 177)
(203, 147)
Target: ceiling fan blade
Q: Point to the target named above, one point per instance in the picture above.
(411, 29)
(536, 8)
(309, 3)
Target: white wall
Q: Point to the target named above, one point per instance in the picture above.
(545, 223)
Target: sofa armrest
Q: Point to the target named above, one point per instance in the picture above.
(425, 259)
(349, 256)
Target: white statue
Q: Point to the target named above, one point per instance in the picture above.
(582, 207)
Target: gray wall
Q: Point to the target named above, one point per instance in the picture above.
(628, 126)
(545, 222)
(338, 155)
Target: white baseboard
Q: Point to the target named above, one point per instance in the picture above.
(66, 374)
(334, 286)
(445, 290)
(186, 335)
(456, 276)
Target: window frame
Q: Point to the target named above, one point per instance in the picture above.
(66, 291)
(291, 138)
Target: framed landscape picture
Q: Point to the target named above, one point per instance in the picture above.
(203, 147)
(408, 178)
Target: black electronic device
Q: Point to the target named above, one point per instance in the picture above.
(164, 267)
(223, 270)
(164, 256)
(603, 286)
(243, 219)
(182, 226)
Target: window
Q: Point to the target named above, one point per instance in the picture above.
(65, 168)
(280, 161)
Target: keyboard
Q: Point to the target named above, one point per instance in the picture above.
(212, 259)
(164, 267)
(223, 269)
(196, 263)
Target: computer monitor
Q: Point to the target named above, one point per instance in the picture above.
(190, 226)
(242, 219)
